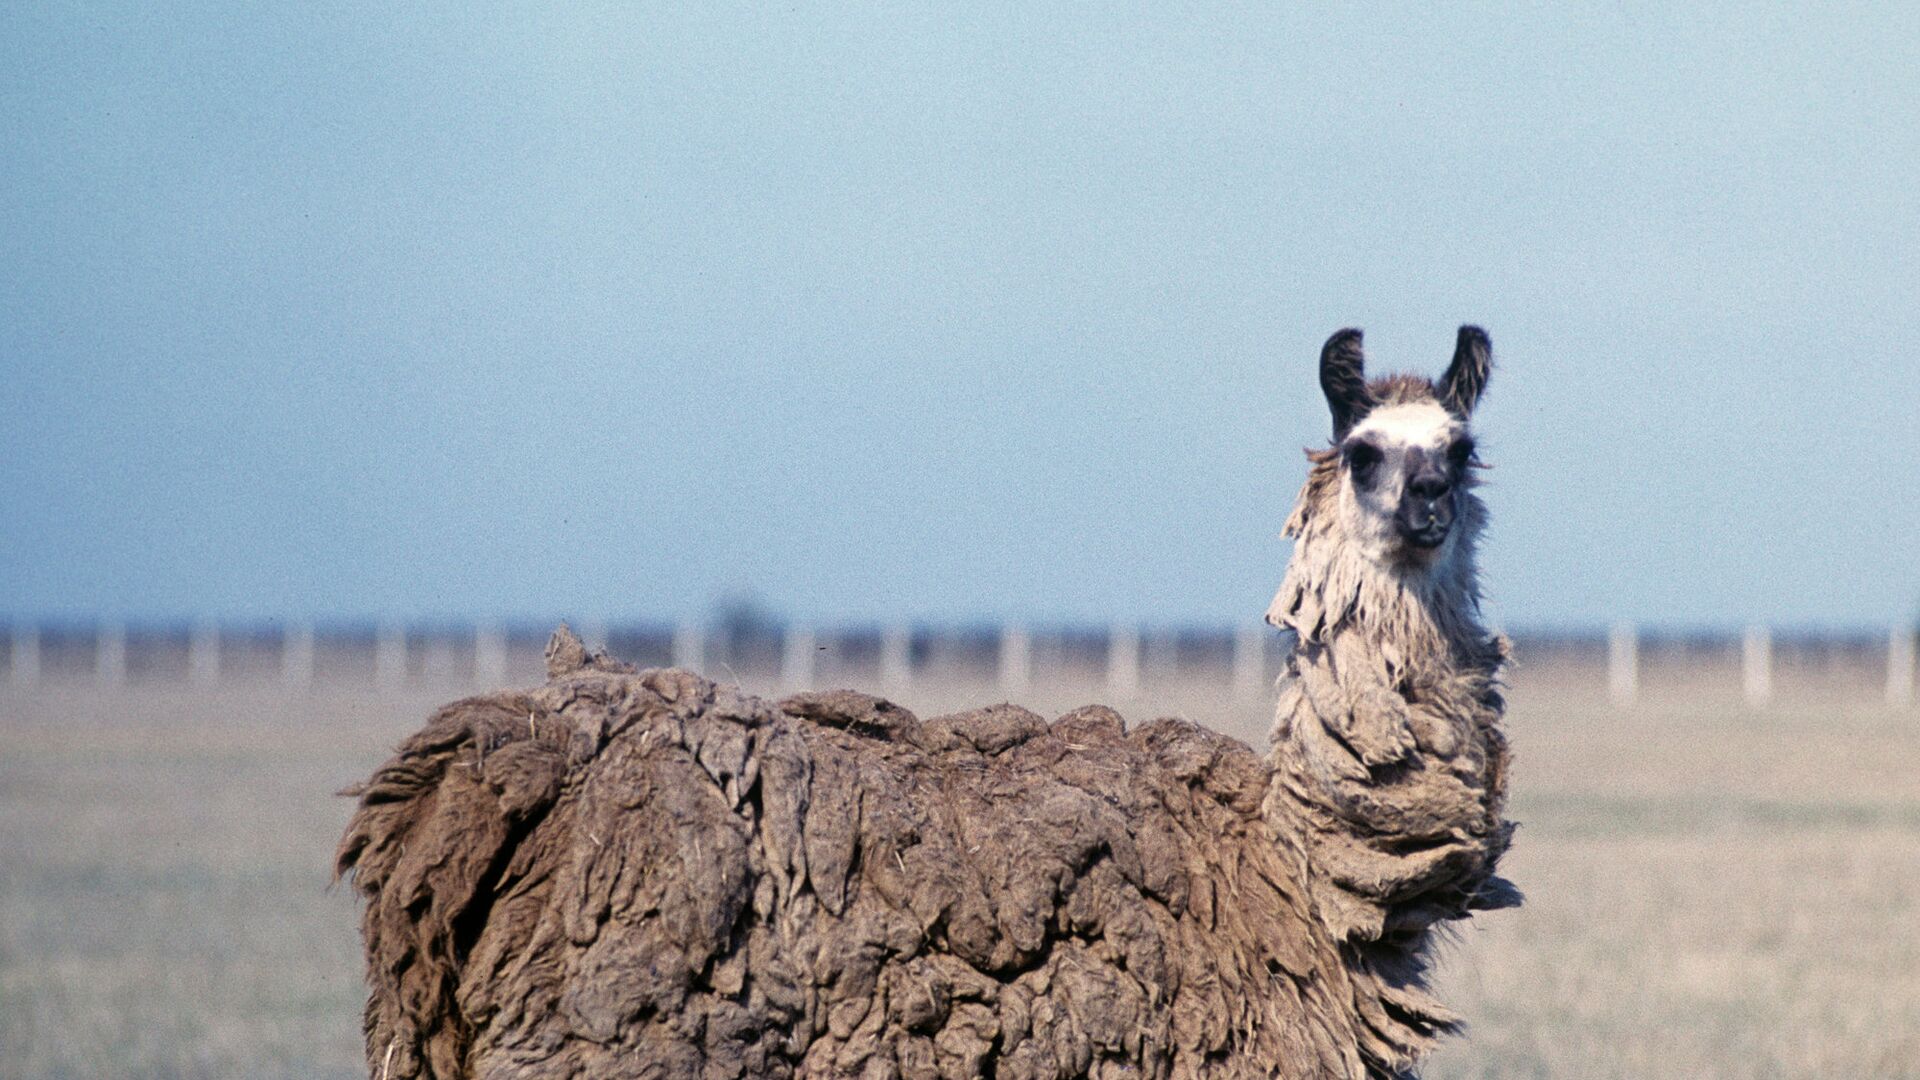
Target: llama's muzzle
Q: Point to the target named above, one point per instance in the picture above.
(1426, 508)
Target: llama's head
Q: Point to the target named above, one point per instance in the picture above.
(1396, 482)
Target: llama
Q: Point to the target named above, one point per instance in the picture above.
(643, 874)
(1389, 765)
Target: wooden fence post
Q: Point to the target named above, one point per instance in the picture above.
(1756, 664)
(490, 656)
(1250, 662)
(1623, 663)
(1123, 662)
(110, 654)
(23, 641)
(689, 647)
(203, 653)
(797, 660)
(296, 656)
(1016, 661)
(896, 658)
(1900, 667)
(390, 656)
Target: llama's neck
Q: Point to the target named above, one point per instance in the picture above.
(1388, 764)
(1423, 620)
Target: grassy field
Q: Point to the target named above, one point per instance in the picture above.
(1712, 892)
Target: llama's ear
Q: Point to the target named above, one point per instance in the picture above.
(1466, 377)
(1343, 379)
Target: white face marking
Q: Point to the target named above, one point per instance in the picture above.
(1420, 423)
(1394, 431)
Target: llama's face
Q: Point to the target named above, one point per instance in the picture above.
(1405, 468)
(1404, 449)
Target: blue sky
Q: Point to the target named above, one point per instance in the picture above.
(892, 313)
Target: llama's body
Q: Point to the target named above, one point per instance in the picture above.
(629, 874)
(647, 875)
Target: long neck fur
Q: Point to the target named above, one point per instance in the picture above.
(1387, 756)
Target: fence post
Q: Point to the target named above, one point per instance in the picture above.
(1016, 661)
(1756, 664)
(110, 654)
(1123, 662)
(203, 653)
(1623, 663)
(896, 658)
(689, 647)
(796, 660)
(490, 656)
(390, 656)
(1250, 661)
(296, 656)
(23, 668)
(1900, 666)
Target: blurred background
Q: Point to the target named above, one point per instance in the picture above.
(963, 355)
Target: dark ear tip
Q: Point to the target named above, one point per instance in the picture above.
(1349, 336)
(1473, 335)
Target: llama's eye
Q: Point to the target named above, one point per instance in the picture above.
(1460, 453)
(1362, 458)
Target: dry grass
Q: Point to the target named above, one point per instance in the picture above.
(1712, 893)
(164, 909)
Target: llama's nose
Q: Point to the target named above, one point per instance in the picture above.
(1429, 485)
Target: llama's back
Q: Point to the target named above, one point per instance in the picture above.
(625, 874)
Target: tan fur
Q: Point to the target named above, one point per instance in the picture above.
(641, 874)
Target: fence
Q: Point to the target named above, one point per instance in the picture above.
(1631, 662)
(1760, 659)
